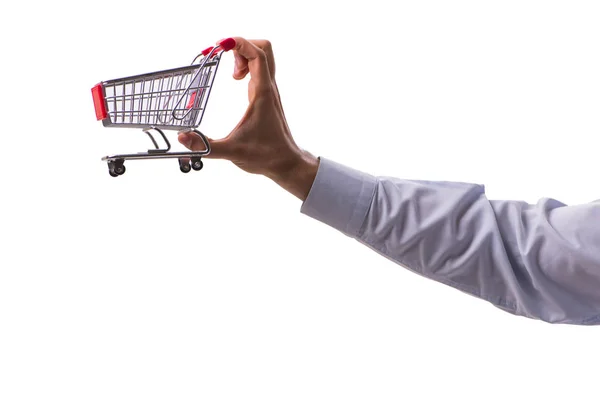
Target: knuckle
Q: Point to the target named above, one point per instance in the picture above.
(262, 55)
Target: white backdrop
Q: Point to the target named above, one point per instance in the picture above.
(212, 285)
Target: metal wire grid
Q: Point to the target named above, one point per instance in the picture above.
(169, 99)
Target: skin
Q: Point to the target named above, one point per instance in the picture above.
(262, 143)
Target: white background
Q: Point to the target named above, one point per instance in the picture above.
(212, 285)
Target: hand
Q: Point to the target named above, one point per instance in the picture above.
(261, 143)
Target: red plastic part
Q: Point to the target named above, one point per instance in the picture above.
(227, 44)
(99, 103)
(207, 51)
(191, 101)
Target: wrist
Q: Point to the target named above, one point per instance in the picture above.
(298, 174)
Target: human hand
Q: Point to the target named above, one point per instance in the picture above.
(261, 143)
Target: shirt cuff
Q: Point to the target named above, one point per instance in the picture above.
(340, 197)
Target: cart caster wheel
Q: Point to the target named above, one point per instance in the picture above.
(120, 169)
(197, 164)
(111, 169)
(184, 166)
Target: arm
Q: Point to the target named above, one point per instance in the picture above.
(540, 261)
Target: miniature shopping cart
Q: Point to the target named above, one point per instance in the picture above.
(173, 99)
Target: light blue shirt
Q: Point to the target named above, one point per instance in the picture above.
(540, 261)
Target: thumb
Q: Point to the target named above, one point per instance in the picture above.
(219, 148)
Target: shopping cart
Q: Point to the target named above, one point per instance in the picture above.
(173, 99)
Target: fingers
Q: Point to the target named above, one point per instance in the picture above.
(251, 58)
(241, 63)
(220, 148)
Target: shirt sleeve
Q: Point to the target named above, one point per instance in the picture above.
(540, 261)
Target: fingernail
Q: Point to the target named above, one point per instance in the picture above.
(227, 44)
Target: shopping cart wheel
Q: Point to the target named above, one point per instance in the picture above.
(119, 167)
(197, 164)
(184, 165)
(116, 168)
(111, 169)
